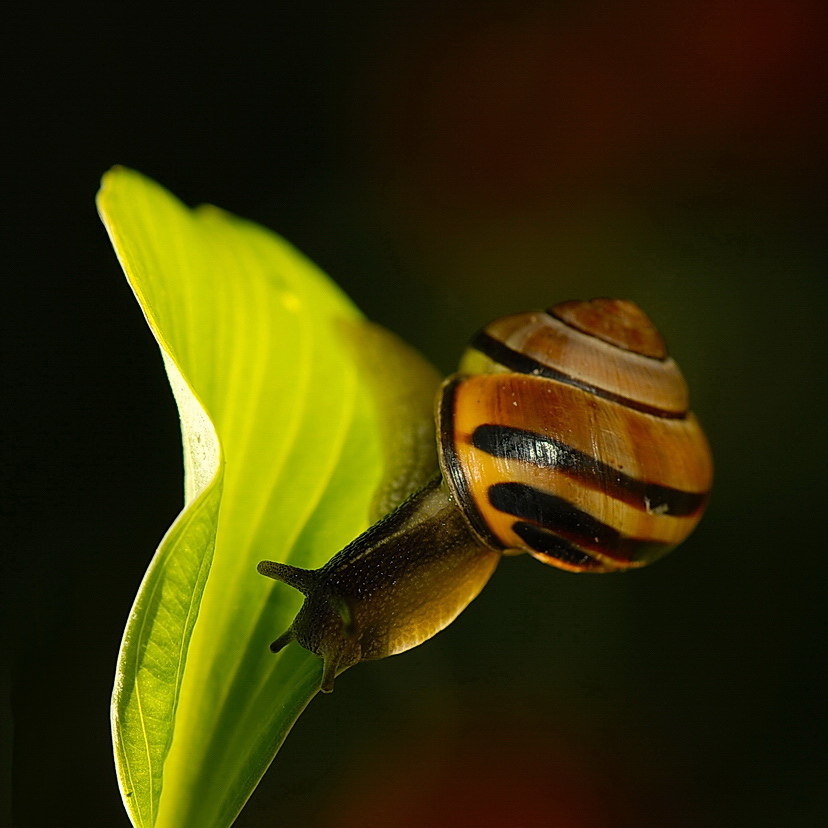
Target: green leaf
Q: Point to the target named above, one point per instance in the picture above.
(300, 422)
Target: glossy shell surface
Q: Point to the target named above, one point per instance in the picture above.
(576, 447)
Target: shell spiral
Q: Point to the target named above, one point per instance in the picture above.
(567, 434)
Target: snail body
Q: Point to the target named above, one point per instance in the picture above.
(565, 434)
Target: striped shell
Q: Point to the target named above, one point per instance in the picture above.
(567, 434)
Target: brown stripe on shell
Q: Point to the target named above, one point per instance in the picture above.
(546, 452)
(623, 517)
(537, 343)
(552, 549)
(579, 528)
(452, 464)
(616, 321)
(665, 452)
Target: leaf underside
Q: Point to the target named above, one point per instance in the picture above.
(300, 422)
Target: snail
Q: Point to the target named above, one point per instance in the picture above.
(565, 434)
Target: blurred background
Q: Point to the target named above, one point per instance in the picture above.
(446, 164)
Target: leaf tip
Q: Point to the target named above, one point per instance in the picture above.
(115, 174)
(108, 182)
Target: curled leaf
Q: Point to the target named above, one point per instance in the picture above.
(289, 403)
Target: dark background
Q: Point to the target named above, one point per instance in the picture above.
(446, 164)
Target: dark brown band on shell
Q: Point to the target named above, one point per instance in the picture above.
(523, 364)
(539, 450)
(452, 468)
(616, 321)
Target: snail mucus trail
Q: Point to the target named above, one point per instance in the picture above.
(565, 434)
